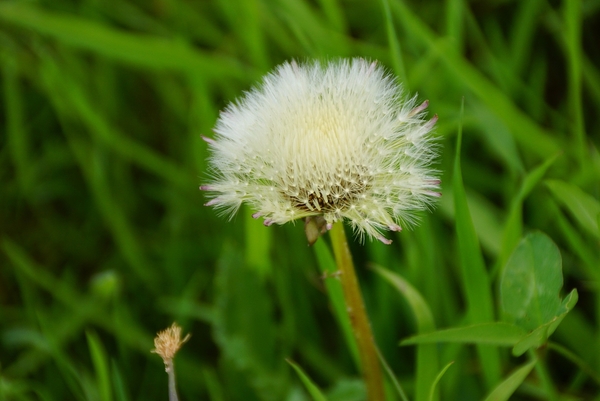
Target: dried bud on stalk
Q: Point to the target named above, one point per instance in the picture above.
(168, 342)
(166, 345)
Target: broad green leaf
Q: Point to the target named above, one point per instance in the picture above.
(531, 282)
(100, 361)
(584, 208)
(496, 333)
(312, 388)
(427, 357)
(504, 390)
(540, 335)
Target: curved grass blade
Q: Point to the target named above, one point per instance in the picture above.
(437, 380)
(100, 361)
(504, 390)
(582, 206)
(514, 227)
(312, 388)
(427, 356)
(392, 377)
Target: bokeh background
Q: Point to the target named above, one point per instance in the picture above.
(104, 239)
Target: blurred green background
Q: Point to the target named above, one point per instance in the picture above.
(104, 239)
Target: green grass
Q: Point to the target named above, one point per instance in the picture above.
(104, 240)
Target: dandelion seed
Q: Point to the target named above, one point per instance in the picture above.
(336, 140)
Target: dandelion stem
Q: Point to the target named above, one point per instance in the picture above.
(358, 316)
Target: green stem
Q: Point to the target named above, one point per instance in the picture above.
(361, 327)
(544, 375)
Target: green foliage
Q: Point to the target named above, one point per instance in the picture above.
(529, 290)
(584, 208)
(312, 389)
(244, 328)
(505, 390)
(427, 358)
(495, 333)
(475, 278)
(100, 361)
(104, 240)
(531, 282)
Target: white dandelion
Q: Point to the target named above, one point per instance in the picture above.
(326, 142)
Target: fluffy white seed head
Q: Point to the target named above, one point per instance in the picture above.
(336, 140)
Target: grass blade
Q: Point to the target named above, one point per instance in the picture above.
(394, 44)
(474, 275)
(496, 333)
(513, 228)
(313, 390)
(504, 390)
(392, 377)
(526, 131)
(573, 24)
(584, 207)
(100, 361)
(427, 356)
(437, 380)
(119, 383)
(138, 50)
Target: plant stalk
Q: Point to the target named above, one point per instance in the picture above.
(361, 327)
(170, 368)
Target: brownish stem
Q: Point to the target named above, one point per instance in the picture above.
(361, 327)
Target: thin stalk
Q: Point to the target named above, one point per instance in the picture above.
(361, 327)
(170, 368)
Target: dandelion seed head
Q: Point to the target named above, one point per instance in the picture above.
(337, 140)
